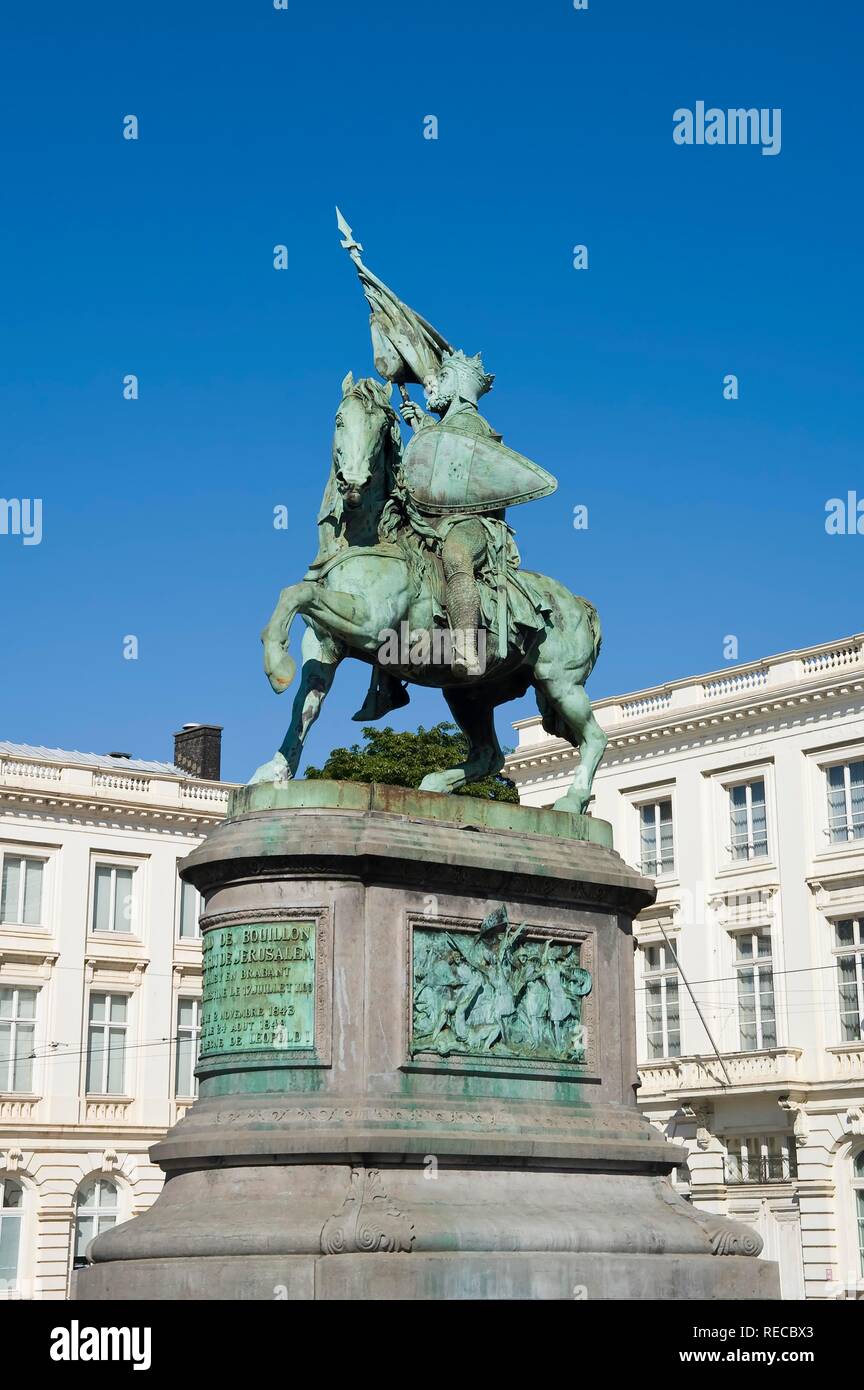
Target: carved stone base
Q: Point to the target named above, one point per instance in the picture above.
(282, 1232)
(417, 1073)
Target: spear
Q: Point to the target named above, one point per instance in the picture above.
(418, 345)
(351, 246)
(354, 248)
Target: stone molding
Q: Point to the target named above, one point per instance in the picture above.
(394, 849)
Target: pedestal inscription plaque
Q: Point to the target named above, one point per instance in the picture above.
(259, 987)
(267, 990)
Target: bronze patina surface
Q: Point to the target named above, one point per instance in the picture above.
(417, 538)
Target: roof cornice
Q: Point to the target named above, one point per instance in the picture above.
(748, 707)
(79, 808)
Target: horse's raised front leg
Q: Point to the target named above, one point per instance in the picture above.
(278, 662)
(474, 713)
(321, 658)
(344, 616)
(347, 617)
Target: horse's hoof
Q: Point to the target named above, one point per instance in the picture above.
(280, 671)
(274, 771)
(435, 782)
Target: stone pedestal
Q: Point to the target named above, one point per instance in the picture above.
(417, 1070)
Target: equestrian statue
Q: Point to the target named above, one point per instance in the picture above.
(417, 571)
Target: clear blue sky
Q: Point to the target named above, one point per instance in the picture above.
(555, 127)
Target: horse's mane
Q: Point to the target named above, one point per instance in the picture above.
(371, 394)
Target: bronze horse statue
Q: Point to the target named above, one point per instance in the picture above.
(359, 589)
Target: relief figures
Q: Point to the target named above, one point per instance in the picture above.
(494, 993)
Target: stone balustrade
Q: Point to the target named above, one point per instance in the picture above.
(18, 1108)
(681, 1076)
(114, 786)
(109, 1110)
(848, 1061)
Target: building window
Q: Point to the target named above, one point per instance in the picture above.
(748, 825)
(760, 1159)
(849, 950)
(17, 1038)
(656, 846)
(106, 1044)
(96, 1210)
(756, 1019)
(113, 902)
(858, 1185)
(662, 1015)
(845, 802)
(21, 891)
(11, 1211)
(188, 1032)
(190, 908)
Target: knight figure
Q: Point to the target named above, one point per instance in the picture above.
(456, 478)
(467, 541)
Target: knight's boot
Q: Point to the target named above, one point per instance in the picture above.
(466, 658)
(385, 693)
(463, 610)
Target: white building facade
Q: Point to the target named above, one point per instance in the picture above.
(742, 793)
(100, 990)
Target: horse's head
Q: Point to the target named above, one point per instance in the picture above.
(366, 434)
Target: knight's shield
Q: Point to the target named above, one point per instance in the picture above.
(447, 470)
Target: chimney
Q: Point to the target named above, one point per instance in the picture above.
(198, 750)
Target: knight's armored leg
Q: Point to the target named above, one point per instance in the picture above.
(461, 551)
(463, 611)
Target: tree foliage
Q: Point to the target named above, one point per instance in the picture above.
(404, 759)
